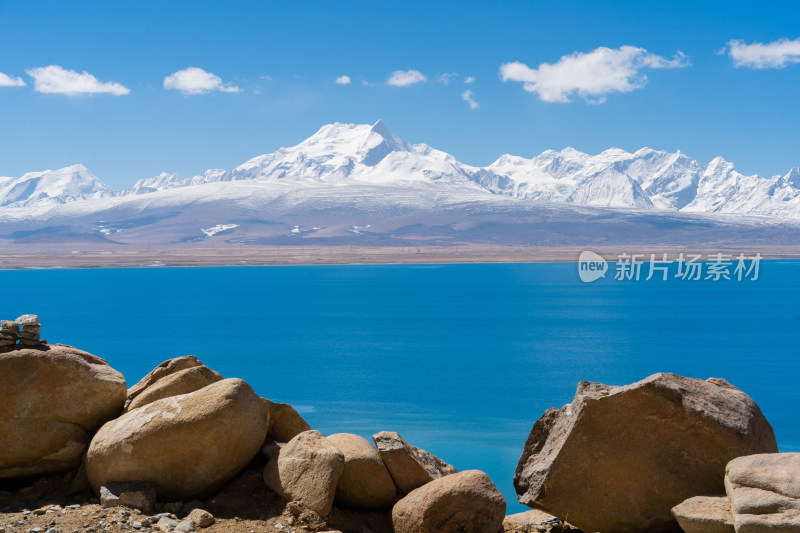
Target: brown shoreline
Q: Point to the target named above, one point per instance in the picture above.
(125, 257)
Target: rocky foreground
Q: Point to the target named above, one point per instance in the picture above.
(186, 449)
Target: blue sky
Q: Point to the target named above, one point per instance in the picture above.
(277, 63)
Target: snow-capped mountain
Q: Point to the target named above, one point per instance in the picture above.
(51, 186)
(370, 157)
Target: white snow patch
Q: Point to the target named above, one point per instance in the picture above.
(219, 228)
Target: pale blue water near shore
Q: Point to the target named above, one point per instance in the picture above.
(459, 359)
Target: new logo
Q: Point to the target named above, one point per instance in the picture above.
(591, 267)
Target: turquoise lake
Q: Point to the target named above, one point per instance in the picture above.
(459, 359)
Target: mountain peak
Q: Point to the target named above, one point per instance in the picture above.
(793, 177)
(380, 128)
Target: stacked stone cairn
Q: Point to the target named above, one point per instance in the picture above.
(25, 329)
(9, 334)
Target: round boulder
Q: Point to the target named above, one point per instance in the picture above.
(181, 382)
(466, 501)
(186, 446)
(306, 469)
(54, 399)
(168, 367)
(365, 482)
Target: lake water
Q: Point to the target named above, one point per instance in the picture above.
(459, 359)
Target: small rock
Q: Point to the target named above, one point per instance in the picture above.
(146, 522)
(185, 526)
(52, 530)
(202, 517)
(27, 320)
(39, 512)
(135, 525)
(166, 525)
(35, 530)
(136, 494)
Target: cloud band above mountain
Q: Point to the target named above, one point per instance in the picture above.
(54, 79)
(591, 75)
(776, 54)
(194, 80)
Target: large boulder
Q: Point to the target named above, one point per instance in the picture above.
(764, 491)
(409, 466)
(460, 502)
(285, 423)
(168, 367)
(53, 400)
(181, 382)
(365, 482)
(306, 469)
(186, 446)
(704, 514)
(618, 459)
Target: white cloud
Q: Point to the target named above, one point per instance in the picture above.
(343, 80)
(467, 96)
(195, 80)
(58, 80)
(469, 79)
(776, 54)
(591, 75)
(404, 78)
(446, 77)
(9, 81)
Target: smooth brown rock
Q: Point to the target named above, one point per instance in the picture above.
(186, 446)
(181, 382)
(457, 503)
(764, 491)
(285, 423)
(53, 399)
(365, 482)
(409, 466)
(306, 470)
(618, 459)
(168, 367)
(704, 514)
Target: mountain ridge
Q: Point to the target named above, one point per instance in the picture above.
(371, 156)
